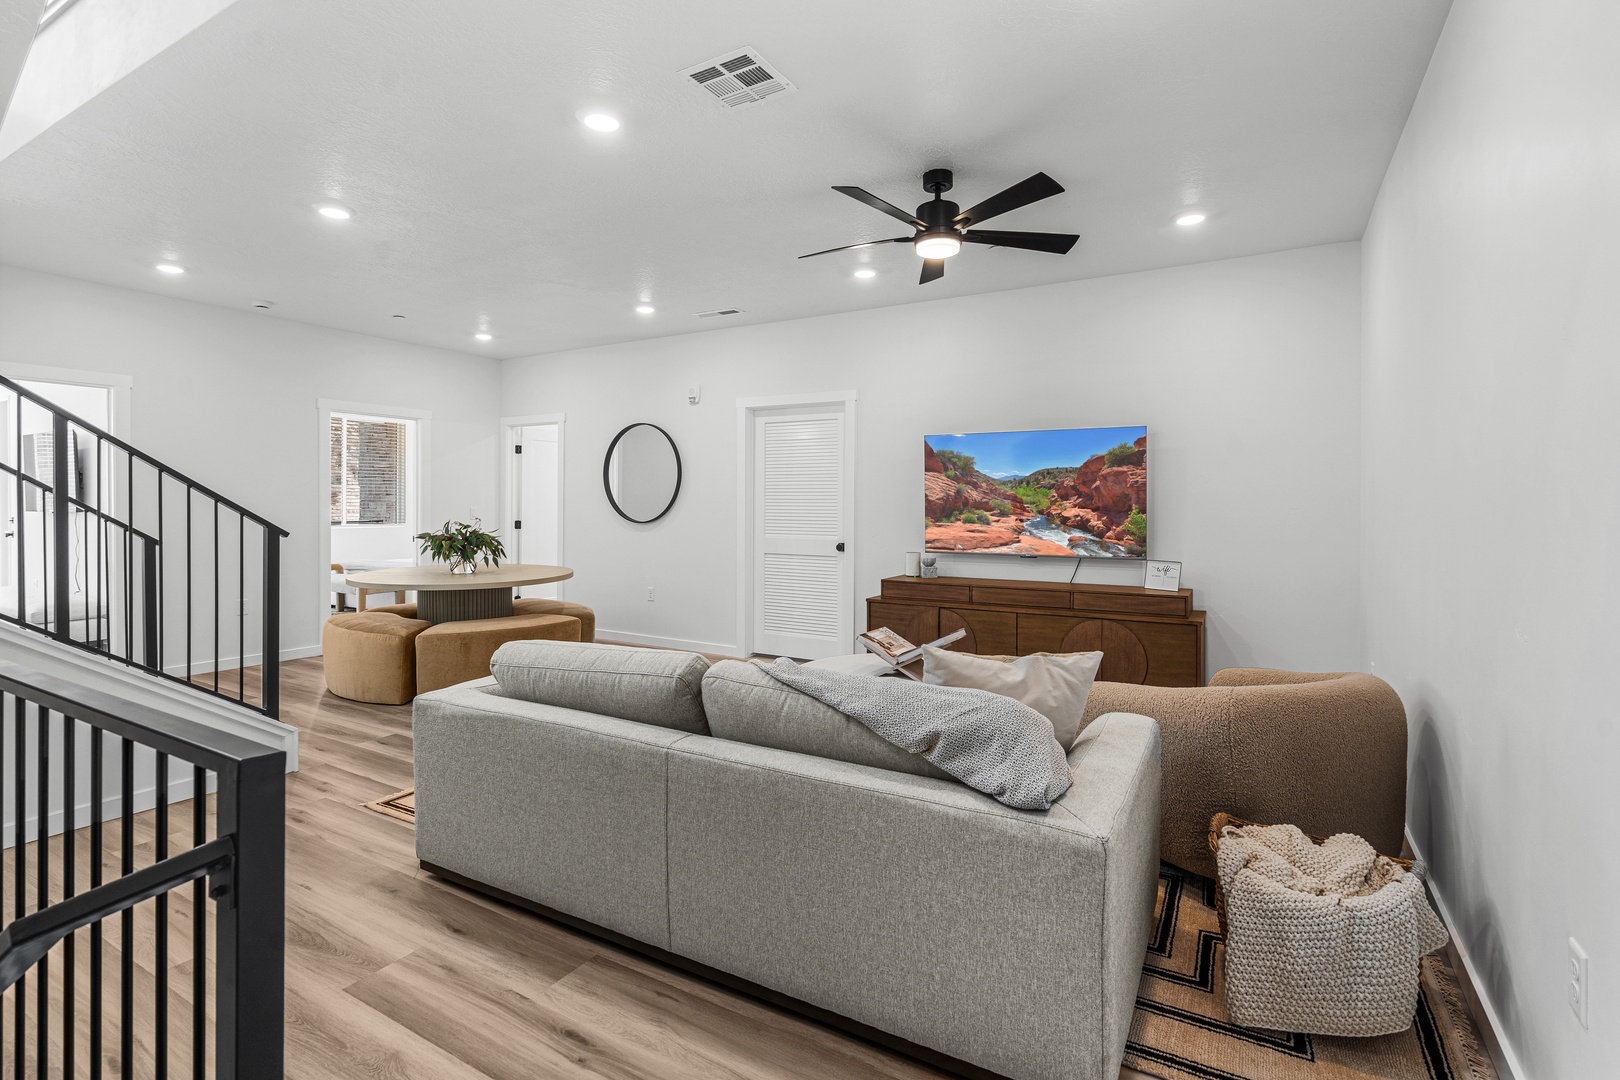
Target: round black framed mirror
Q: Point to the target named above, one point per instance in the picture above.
(642, 473)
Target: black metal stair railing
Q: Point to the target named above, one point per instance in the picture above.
(199, 990)
(109, 550)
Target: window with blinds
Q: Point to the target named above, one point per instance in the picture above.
(368, 471)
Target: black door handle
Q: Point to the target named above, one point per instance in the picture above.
(840, 545)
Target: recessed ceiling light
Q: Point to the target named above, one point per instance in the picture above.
(599, 121)
(170, 268)
(334, 211)
(865, 273)
(1190, 219)
(645, 309)
(484, 337)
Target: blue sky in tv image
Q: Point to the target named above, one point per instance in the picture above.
(1014, 454)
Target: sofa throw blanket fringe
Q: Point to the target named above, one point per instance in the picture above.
(995, 744)
(1324, 939)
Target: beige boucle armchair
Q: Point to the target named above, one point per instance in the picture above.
(1325, 752)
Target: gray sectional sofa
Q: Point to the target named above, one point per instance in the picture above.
(720, 821)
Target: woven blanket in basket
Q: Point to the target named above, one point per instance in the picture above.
(1322, 938)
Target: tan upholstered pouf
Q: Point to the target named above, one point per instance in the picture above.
(448, 653)
(586, 617)
(371, 656)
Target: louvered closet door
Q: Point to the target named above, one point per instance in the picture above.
(801, 580)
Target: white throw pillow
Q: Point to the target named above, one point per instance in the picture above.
(1054, 685)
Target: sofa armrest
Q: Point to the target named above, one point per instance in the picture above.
(561, 807)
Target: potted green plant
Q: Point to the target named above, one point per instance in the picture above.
(463, 546)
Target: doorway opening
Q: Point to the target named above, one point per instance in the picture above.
(373, 494)
(534, 495)
(26, 447)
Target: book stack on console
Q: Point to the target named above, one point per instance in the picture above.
(899, 653)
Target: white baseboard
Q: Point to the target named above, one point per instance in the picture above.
(1510, 1060)
(666, 642)
(231, 663)
(180, 788)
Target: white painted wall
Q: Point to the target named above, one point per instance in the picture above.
(1492, 502)
(249, 385)
(88, 48)
(1245, 371)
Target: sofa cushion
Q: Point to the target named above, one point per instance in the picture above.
(746, 705)
(990, 742)
(1053, 684)
(651, 686)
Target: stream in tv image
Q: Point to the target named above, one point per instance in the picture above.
(1070, 491)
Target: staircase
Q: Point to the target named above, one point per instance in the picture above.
(112, 553)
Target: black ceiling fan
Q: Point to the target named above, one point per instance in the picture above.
(942, 229)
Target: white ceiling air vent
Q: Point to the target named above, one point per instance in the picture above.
(717, 312)
(739, 78)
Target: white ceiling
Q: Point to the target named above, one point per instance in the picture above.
(450, 129)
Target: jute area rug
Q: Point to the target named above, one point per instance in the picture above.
(1180, 1031)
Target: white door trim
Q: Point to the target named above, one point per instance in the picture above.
(747, 409)
(118, 387)
(508, 492)
(324, 408)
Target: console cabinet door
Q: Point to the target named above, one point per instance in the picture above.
(989, 633)
(1125, 657)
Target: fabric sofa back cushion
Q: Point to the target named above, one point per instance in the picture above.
(746, 705)
(650, 686)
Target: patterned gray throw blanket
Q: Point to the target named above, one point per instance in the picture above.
(1000, 746)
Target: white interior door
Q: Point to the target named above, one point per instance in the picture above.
(802, 576)
(537, 526)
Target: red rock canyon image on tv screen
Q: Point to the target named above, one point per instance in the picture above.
(1068, 491)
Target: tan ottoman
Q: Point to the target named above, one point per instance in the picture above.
(371, 656)
(448, 653)
(586, 617)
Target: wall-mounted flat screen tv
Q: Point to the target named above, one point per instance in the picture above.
(1067, 491)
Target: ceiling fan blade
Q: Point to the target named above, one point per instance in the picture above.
(862, 195)
(1057, 243)
(1037, 187)
(852, 247)
(933, 270)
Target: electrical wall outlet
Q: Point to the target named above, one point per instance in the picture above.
(1579, 985)
(649, 594)
(694, 394)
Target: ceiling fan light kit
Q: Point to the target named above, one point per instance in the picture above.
(941, 227)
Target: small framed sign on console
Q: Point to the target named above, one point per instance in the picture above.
(1164, 576)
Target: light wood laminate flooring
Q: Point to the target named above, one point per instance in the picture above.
(393, 973)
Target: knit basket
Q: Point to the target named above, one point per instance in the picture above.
(1221, 821)
(1321, 936)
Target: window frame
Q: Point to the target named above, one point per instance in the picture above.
(409, 487)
